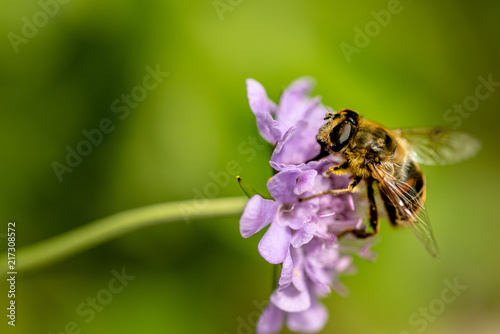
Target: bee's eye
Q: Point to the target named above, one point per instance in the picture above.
(340, 135)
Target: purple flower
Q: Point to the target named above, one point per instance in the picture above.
(301, 234)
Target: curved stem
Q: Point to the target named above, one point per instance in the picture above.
(57, 248)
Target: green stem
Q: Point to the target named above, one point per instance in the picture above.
(94, 233)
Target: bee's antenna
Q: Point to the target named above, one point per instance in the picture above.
(329, 112)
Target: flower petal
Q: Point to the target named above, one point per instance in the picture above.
(303, 235)
(258, 214)
(297, 146)
(286, 272)
(279, 166)
(321, 279)
(293, 102)
(282, 184)
(299, 278)
(263, 108)
(305, 182)
(283, 146)
(274, 245)
(291, 300)
(299, 215)
(270, 321)
(311, 320)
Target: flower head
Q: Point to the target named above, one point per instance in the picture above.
(302, 235)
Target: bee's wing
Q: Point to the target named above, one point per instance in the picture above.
(422, 228)
(405, 200)
(438, 146)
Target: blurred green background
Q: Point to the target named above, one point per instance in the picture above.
(203, 277)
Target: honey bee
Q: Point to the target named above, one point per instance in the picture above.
(389, 159)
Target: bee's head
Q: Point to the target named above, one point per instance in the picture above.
(338, 130)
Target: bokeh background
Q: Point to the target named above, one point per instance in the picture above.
(203, 277)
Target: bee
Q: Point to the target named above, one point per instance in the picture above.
(389, 160)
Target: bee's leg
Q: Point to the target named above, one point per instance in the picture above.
(349, 189)
(354, 183)
(373, 214)
(373, 207)
(392, 211)
(339, 169)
